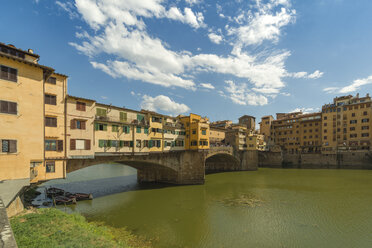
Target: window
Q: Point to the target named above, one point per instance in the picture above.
(353, 115)
(8, 107)
(54, 145)
(325, 124)
(325, 137)
(78, 124)
(52, 80)
(194, 131)
(146, 130)
(325, 117)
(365, 134)
(138, 143)
(80, 144)
(9, 146)
(194, 143)
(126, 129)
(204, 132)
(50, 99)
(115, 128)
(13, 52)
(50, 167)
(102, 143)
(8, 73)
(353, 135)
(123, 116)
(100, 127)
(365, 127)
(145, 143)
(138, 129)
(365, 113)
(365, 120)
(81, 106)
(352, 129)
(51, 121)
(101, 112)
(353, 121)
(140, 117)
(51, 145)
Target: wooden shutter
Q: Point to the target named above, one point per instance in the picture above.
(72, 144)
(54, 100)
(59, 145)
(82, 106)
(82, 125)
(3, 107)
(4, 72)
(87, 144)
(104, 127)
(12, 146)
(13, 74)
(73, 124)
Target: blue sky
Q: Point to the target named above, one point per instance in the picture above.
(220, 59)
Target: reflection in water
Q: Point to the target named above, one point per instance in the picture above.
(266, 208)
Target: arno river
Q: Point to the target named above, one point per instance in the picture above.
(264, 208)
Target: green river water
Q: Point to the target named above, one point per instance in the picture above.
(264, 208)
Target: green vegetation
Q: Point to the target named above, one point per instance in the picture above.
(54, 228)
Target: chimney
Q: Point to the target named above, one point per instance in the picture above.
(31, 51)
(367, 95)
(357, 95)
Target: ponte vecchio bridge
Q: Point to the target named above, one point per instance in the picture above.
(176, 167)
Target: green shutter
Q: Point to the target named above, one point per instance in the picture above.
(140, 117)
(123, 116)
(150, 143)
(104, 127)
(101, 143)
(115, 128)
(121, 143)
(96, 126)
(101, 112)
(146, 130)
(131, 144)
(138, 129)
(172, 144)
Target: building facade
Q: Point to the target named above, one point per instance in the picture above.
(248, 121)
(265, 126)
(347, 124)
(217, 136)
(197, 132)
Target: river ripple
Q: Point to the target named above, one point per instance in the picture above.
(264, 208)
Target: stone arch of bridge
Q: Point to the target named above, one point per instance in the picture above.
(220, 162)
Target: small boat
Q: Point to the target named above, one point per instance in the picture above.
(60, 199)
(53, 192)
(80, 196)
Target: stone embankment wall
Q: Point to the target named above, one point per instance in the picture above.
(342, 160)
(7, 239)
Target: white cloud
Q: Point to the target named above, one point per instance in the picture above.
(265, 24)
(164, 104)
(104, 97)
(207, 86)
(132, 93)
(215, 38)
(192, 2)
(68, 7)
(240, 94)
(354, 86)
(315, 75)
(120, 33)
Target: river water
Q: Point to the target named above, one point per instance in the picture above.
(264, 208)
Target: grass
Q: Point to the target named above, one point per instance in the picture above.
(51, 227)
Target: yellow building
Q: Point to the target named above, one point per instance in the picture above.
(347, 124)
(197, 131)
(80, 115)
(21, 113)
(297, 133)
(119, 130)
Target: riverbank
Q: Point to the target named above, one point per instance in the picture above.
(51, 227)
